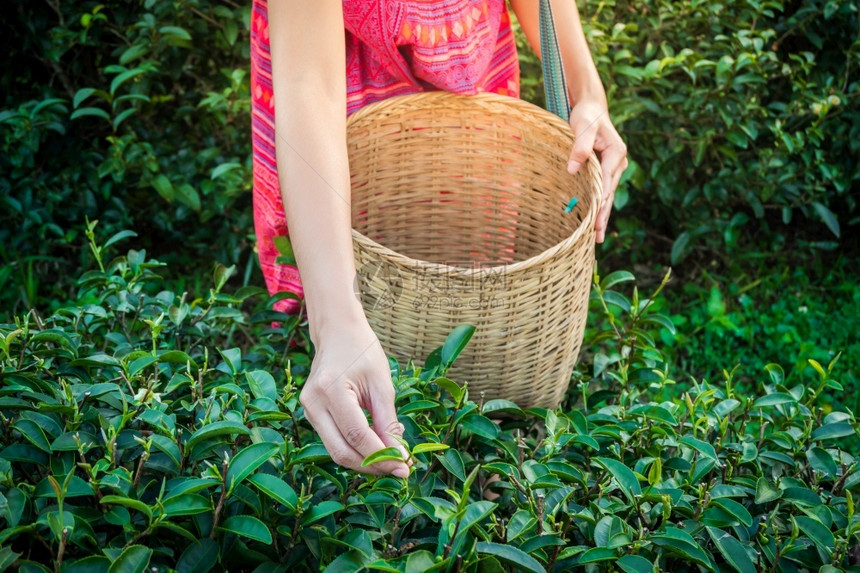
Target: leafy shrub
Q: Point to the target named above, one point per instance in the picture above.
(135, 113)
(786, 315)
(735, 113)
(146, 428)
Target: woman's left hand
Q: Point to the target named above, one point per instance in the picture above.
(594, 131)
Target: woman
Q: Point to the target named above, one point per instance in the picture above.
(311, 62)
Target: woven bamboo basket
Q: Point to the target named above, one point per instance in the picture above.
(459, 217)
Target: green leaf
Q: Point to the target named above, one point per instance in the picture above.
(117, 237)
(832, 431)
(774, 399)
(827, 216)
(276, 488)
(474, 513)
(262, 384)
(164, 187)
(429, 447)
(221, 275)
(222, 428)
(623, 475)
(512, 555)
(738, 511)
(186, 504)
(95, 360)
(682, 543)
(133, 53)
(750, 453)
(680, 248)
(226, 168)
(247, 526)
(777, 376)
(385, 454)
(820, 535)
(91, 564)
(451, 387)
(81, 95)
(456, 342)
(419, 561)
(122, 116)
(7, 558)
(247, 461)
(453, 462)
(616, 277)
(133, 559)
(129, 503)
(596, 554)
(822, 461)
(90, 112)
(480, 425)
(732, 550)
(175, 31)
(700, 446)
(188, 196)
(199, 557)
(766, 492)
(321, 510)
(124, 77)
(634, 564)
(177, 357)
(33, 433)
(284, 248)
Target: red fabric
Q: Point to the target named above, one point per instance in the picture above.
(392, 48)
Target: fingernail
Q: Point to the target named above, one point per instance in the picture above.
(573, 166)
(402, 473)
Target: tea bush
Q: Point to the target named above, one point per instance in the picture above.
(789, 315)
(147, 429)
(741, 119)
(135, 113)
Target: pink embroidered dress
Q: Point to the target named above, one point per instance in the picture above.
(393, 48)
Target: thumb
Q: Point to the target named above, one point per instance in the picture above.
(386, 424)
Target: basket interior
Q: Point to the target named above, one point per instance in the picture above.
(464, 185)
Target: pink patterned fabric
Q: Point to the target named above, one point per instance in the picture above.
(392, 48)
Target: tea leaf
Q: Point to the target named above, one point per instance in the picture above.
(133, 559)
(276, 488)
(456, 342)
(222, 428)
(623, 475)
(247, 461)
(512, 555)
(199, 557)
(385, 454)
(732, 549)
(247, 526)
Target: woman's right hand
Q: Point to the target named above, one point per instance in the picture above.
(349, 374)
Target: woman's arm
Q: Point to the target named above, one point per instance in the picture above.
(309, 81)
(589, 117)
(350, 371)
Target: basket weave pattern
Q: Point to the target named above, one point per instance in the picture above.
(459, 217)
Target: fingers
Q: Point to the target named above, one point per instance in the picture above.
(613, 162)
(585, 131)
(385, 422)
(318, 413)
(356, 432)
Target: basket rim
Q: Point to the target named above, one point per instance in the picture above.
(479, 100)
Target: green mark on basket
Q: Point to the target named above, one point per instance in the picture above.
(571, 205)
